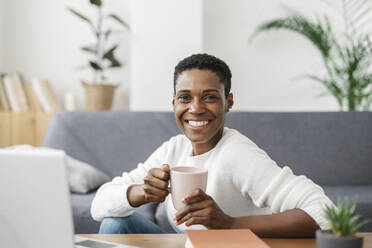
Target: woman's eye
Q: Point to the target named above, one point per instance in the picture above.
(183, 97)
(210, 98)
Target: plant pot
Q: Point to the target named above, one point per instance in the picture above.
(98, 96)
(329, 240)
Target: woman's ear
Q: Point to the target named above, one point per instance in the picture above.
(229, 102)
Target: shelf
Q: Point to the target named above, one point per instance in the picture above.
(23, 127)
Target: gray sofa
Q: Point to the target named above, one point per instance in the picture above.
(333, 149)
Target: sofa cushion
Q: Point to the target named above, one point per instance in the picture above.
(83, 177)
(361, 194)
(83, 221)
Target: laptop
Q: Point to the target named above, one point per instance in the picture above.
(35, 209)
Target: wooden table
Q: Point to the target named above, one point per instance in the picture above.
(178, 240)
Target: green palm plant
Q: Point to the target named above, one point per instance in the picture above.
(347, 60)
(342, 219)
(103, 56)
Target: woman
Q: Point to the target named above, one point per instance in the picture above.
(246, 189)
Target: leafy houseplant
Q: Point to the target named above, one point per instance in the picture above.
(347, 57)
(344, 224)
(99, 94)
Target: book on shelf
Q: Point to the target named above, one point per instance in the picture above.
(33, 100)
(232, 238)
(44, 93)
(15, 93)
(4, 102)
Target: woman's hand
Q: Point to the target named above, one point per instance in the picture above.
(154, 189)
(202, 209)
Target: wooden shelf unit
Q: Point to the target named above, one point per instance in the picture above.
(27, 127)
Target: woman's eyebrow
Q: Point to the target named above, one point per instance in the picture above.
(204, 91)
(180, 91)
(210, 90)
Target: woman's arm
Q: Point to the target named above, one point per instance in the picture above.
(202, 209)
(111, 199)
(270, 186)
(292, 223)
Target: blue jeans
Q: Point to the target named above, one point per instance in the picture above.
(134, 223)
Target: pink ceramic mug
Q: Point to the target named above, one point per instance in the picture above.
(183, 180)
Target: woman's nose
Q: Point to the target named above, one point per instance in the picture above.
(196, 106)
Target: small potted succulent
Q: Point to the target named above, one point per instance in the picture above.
(98, 93)
(344, 225)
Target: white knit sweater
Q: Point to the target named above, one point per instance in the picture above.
(242, 179)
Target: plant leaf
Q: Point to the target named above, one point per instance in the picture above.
(107, 34)
(360, 224)
(95, 66)
(89, 49)
(341, 218)
(78, 14)
(120, 21)
(109, 55)
(319, 34)
(331, 87)
(114, 62)
(96, 2)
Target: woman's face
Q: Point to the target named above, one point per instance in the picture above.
(200, 106)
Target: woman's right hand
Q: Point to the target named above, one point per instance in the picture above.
(154, 189)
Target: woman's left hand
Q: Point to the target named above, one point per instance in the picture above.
(202, 209)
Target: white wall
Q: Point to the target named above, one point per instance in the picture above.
(164, 31)
(2, 62)
(42, 39)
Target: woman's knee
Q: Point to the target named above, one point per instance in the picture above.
(114, 225)
(134, 223)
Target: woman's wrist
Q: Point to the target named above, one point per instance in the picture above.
(229, 222)
(136, 195)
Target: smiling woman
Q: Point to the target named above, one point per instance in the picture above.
(200, 106)
(246, 188)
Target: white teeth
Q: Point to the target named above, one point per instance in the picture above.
(198, 123)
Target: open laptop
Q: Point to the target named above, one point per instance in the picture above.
(35, 210)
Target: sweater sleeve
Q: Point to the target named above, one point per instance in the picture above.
(111, 198)
(279, 189)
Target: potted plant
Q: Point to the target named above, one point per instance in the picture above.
(344, 224)
(98, 93)
(346, 56)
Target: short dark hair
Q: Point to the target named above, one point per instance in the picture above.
(205, 62)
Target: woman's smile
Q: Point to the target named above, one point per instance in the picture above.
(198, 125)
